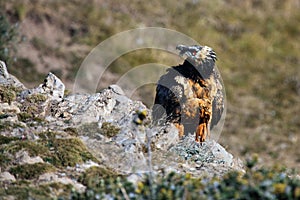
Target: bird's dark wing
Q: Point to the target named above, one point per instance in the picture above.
(218, 103)
(167, 100)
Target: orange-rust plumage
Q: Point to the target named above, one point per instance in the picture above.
(190, 95)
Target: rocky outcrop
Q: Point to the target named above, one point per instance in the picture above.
(8, 79)
(62, 134)
(52, 87)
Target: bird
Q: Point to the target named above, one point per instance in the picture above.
(190, 95)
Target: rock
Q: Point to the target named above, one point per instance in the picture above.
(116, 130)
(52, 87)
(3, 70)
(9, 112)
(48, 177)
(8, 79)
(7, 177)
(83, 108)
(123, 159)
(165, 137)
(85, 166)
(9, 108)
(208, 152)
(22, 157)
(116, 89)
(56, 178)
(135, 178)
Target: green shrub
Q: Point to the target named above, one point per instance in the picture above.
(259, 183)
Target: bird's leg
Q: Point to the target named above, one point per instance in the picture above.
(207, 125)
(201, 133)
(180, 129)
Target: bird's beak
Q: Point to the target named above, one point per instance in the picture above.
(182, 49)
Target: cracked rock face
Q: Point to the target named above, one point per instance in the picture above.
(53, 87)
(114, 129)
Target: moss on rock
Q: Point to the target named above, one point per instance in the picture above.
(64, 152)
(93, 176)
(69, 152)
(109, 130)
(9, 125)
(7, 94)
(32, 108)
(5, 160)
(47, 135)
(89, 128)
(31, 171)
(6, 140)
(56, 151)
(36, 98)
(33, 148)
(22, 190)
(71, 131)
(24, 116)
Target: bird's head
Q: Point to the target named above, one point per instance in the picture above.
(197, 54)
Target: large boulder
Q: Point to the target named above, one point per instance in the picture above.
(106, 128)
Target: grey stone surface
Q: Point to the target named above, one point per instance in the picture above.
(7, 177)
(111, 127)
(53, 87)
(3, 70)
(56, 178)
(8, 79)
(22, 157)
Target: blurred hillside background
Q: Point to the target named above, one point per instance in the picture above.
(257, 43)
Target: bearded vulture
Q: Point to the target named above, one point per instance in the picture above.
(190, 95)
